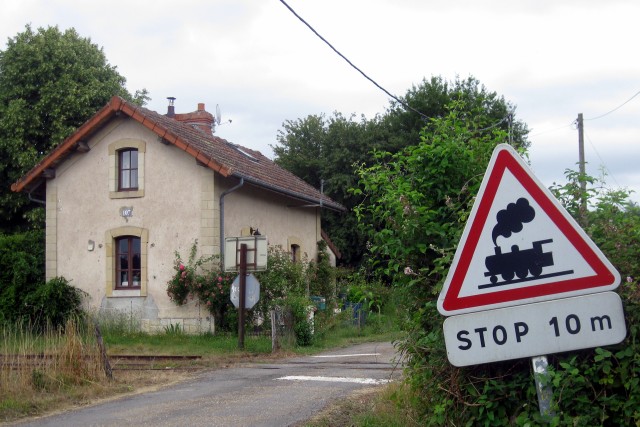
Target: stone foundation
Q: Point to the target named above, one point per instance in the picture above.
(190, 326)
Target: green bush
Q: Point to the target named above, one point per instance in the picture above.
(54, 303)
(21, 272)
(322, 276)
(420, 200)
(300, 307)
(202, 278)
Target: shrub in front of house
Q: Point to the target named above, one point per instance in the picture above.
(283, 284)
(204, 280)
(21, 271)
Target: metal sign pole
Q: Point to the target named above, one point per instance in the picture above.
(242, 294)
(543, 387)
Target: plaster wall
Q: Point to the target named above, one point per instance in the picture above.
(283, 220)
(170, 211)
(177, 203)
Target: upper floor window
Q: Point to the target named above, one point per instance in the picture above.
(128, 169)
(128, 262)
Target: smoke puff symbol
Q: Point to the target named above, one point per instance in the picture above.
(512, 219)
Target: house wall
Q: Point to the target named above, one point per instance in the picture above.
(170, 215)
(273, 215)
(178, 203)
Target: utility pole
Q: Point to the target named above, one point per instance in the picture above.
(582, 168)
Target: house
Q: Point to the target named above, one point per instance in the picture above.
(132, 187)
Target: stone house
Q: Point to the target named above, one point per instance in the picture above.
(131, 187)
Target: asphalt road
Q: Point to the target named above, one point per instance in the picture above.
(278, 394)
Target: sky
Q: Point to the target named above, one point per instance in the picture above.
(262, 66)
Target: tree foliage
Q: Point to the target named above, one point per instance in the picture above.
(420, 199)
(50, 83)
(21, 271)
(24, 295)
(324, 151)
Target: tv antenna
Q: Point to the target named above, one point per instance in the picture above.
(217, 120)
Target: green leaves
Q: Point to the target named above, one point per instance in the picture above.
(50, 83)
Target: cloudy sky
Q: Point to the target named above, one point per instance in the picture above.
(262, 66)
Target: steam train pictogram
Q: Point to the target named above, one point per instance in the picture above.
(518, 262)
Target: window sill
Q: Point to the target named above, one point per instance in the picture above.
(126, 293)
(126, 194)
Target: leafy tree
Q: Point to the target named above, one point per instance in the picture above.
(429, 100)
(612, 221)
(420, 200)
(21, 271)
(50, 83)
(324, 151)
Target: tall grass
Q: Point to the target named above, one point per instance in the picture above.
(36, 363)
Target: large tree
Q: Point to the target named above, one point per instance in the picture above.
(324, 151)
(50, 83)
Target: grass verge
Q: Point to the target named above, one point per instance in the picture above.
(48, 371)
(388, 406)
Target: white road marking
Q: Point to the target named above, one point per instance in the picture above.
(335, 379)
(349, 355)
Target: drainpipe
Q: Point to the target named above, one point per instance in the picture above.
(224, 193)
(31, 198)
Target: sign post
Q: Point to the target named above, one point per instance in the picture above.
(243, 289)
(543, 388)
(236, 258)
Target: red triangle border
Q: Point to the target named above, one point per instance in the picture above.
(505, 160)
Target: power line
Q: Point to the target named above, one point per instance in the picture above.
(602, 162)
(351, 64)
(615, 109)
(404, 104)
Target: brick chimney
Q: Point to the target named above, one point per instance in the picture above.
(171, 112)
(200, 119)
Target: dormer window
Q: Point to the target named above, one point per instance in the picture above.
(128, 169)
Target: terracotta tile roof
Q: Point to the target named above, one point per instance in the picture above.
(216, 153)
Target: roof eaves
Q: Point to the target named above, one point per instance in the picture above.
(115, 105)
(331, 245)
(68, 144)
(322, 202)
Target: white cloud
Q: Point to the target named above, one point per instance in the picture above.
(263, 66)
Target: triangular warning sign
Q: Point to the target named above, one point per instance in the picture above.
(520, 246)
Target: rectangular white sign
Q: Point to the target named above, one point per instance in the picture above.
(535, 329)
(256, 253)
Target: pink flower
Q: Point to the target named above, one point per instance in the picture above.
(181, 267)
(183, 274)
(219, 278)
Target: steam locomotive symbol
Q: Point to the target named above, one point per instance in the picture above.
(517, 265)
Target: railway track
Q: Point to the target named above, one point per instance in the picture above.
(117, 362)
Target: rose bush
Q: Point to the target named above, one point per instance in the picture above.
(201, 279)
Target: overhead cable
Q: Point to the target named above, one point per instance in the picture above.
(404, 104)
(615, 109)
(401, 102)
